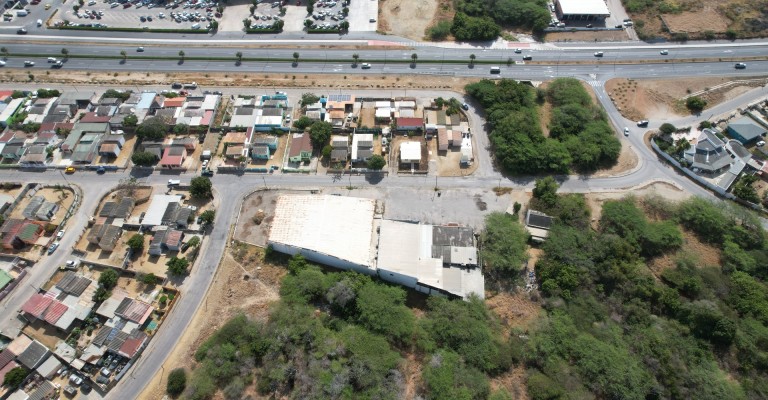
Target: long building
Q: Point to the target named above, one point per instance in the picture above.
(346, 233)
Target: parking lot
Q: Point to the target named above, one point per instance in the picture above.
(329, 13)
(178, 14)
(265, 14)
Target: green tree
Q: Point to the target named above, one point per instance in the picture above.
(194, 242)
(355, 57)
(327, 150)
(108, 278)
(546, 191)
(136, 242)
(124, 54)
(181, 55)
(447, 377)
(466, 27)
(130, 121)
(201, 187)
(208, 216)
(247, 23)
(177, 382)
(65, 53)
(180, 129)
(376, 162)
(695, 103)
(439, 31)
(382, 309)
(144, 158)
(303, 122)
(309, 98)
(295, 57)
(414, 57)
(320, 133)
(4, 51)
(149, 279)
(472, 59)
(178, 266)
(504, 246)
(123, 95)
(744, 190)
(152, 128)
(239, 56)
(15, 377)
(667, 128)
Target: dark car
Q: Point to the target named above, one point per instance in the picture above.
(100, 170)
(176, 85)
(740, 66)
(527, 58)
(21, 31)
(642, 124)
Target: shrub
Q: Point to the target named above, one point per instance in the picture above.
(177, 382)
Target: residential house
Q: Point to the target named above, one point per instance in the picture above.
(39, 110)
(538, 225)
(35, 155)
(18, 233)
(156, 214)
(40, 209)
(442, 139)
(93, 118)
(9, 111)
(362, 147)
(409, 124)
(268, 119)
(13, 150)
(109, 150)
(260, 152)
(708, 155)
(173, 157)
(410, 154)
(746, 130)
(78, 100)
(270, 141)
(188, 143)
(121, 209)
(301, 148)
(105, 235)
(467, 156)
(165, 239)
(340, 146)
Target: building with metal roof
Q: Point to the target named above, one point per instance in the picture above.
(34, 355)
(582, 10)
(156, 211)
(746, 130)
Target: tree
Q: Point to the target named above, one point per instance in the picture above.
(130, 121)
(247, 23)
(504, 245)
(344, 25)
(108, 278)
(177, 382)
(327, 150)
(4, 51)
(15, 377)
(447, 377)
(414, 57)
(546, 191)
(153, 128)
(696, 104)
(376, 162)
(743, 189)
(320, 133)
(144, 158)
(355, 57)
(295, 57)
(136, 242)
(466, 27)
(178, 266)
(472, 59)
(65, 53)
(309, 98)
(194, 242)
(181, 129)
(181, 54)
(149, 279)
(667, 128)
(239, 56)
(201, 187)
(207, 217)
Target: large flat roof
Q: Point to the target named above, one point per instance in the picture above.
(334, 225)
(154, 215)
(584, 7)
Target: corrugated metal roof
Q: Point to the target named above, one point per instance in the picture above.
(36, 305)
(54, 312)
(73, 284)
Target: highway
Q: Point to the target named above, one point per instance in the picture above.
(623, 60)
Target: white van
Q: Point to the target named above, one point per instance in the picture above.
(495, 70)
(22, 13)
(39, 22)
(196, 26)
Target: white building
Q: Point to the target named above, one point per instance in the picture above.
(156, 210)
(410, 153)
(331, 230)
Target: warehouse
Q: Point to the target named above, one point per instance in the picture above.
(582, 10)
(330, 230)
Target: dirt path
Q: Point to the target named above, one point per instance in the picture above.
(249, 287)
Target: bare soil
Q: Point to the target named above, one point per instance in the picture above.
(514, 381)
(406, 18)
(249, 288)
(587, 36)
(662, 98)
(705, 254)
(690, 22)
(746, 18)
(515, 310)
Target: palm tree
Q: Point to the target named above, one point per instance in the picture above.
(296, 57)
(65, 53)
(414, 57)
(124, 54)
(4, 50)
(472, 59)
(239, 56)
(355, 57)
(181, 54)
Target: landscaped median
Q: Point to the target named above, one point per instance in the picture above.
(116, 29)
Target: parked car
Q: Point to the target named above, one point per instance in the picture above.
(60, 233)
(53, 248)
(465, 106)
(761, 143)
(69, 170)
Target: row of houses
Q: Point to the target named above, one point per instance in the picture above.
(260, 113)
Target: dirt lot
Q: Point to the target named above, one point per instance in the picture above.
(639, 99)
(746, 18)
(246, 229)
(252, 282)
(406, 18)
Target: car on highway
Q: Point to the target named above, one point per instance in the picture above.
(2, 63)
(518, 51)
(29, 63)
(626, 131)
(642, 124)
(598, 54)
(69, 170)
(57, 64)
(21, 31)
(527, 57)
(366, 66)
(740, 65)
(664, 52)
(139, 49)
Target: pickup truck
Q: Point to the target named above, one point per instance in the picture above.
(174, 182)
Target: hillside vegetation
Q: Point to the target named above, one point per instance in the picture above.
(580, 136)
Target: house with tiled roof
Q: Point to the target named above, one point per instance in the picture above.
(18, 233)
(301, 148)
(173, 157)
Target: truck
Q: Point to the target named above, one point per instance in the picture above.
(174, 182)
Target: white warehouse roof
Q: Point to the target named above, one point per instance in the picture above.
(584, 7)
(410, 151)
(333, 225)
(154, 215)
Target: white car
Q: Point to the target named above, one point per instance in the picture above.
(664, 52)
(761, 143)
(60, 234)
(626, 131)
(2, 63)
(29, 63)
(598, 54)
